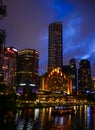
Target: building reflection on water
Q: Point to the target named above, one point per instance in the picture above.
(41, 119)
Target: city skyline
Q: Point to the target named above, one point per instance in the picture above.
(27, 27)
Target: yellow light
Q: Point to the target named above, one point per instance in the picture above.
(51, 73)
(64, 76)
(61, 74)
(57, 70)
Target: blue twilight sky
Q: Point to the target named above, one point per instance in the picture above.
(27, 27)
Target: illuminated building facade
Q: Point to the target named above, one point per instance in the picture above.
(55, 54)
(84, 75)
(9, 67)
(93, 83)
(27, 70)
(57, 81)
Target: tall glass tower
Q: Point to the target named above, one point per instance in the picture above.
(55, 56)
(27, 71)
(84, 75)
(73, 74)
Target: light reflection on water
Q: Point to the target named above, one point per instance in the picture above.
(41, 119)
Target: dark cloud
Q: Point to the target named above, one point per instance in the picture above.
(85, 9)
(27, 27)
(81, 28)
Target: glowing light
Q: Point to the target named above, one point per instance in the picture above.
(36, 113)
(22, 84)
(10, 51)
(31, 84)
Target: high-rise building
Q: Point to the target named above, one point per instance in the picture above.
(8, 67)
(27, 70)
(67, 70)
(73, 74)
(55, 54)
(93, 83)
(84, 75)
(71, 71)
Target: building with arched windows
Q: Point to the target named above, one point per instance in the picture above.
(56, 81)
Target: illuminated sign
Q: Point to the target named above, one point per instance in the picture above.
(10, 51)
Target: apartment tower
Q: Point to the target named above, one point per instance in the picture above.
(27, 70)
(84, 75)
(55, 56)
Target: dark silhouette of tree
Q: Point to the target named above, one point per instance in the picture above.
(3, 88)
(3, 11)
(2, 37)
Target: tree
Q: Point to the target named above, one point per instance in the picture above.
(3, 12)
(2, 37)
(3, 88)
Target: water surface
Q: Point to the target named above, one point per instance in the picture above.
(41, 119)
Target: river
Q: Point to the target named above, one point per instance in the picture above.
(41, 119)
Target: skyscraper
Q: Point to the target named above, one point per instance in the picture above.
(27, 69)
(73, 74)
(84, 75)
(55, 56)
(8, 67)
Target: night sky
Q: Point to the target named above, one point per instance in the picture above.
(27, 27)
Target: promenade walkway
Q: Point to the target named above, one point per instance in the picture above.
(35, 104)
